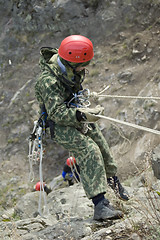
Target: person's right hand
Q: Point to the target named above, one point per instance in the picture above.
(91, 113)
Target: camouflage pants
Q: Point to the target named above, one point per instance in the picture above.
(92, 155)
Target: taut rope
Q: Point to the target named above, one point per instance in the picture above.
(129, 124)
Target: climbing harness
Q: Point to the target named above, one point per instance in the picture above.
(36, 155)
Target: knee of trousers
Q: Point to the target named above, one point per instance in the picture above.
(90, 152)
(92, 171)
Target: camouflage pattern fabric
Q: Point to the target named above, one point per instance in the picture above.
(91, 149)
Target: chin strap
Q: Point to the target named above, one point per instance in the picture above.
(62, 67)
(80, 75)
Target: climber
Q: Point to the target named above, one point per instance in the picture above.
(71, 171)
(74, 124)
(38, 187)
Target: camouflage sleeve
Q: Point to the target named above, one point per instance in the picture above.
(48, 92)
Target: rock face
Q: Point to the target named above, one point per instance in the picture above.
(156, 162)
(68, 214)
(65, 16)
(126, 37)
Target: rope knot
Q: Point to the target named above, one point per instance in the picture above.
(94, 95)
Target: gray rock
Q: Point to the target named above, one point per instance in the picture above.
(27, 206)
(125, 76)
(156, 161)
(135, 236)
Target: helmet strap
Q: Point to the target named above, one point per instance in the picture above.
(77, 75)
(61, 65)
(73, 67)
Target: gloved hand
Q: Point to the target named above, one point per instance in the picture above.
(90, 113)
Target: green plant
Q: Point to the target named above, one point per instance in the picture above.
(158, 193)
(13, 140)
(150, 210)
(15, 216)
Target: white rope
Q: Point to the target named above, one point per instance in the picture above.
(104, 90)
(75, 168)
(72, 170)
(30, 156)
(75, 200)
(97, 95)
(130, 124)
(32, 153)
(131, 97)
(36, 154)
(39, 135)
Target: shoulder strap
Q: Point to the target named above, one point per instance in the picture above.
(63, 82)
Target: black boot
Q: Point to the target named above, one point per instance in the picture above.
(47, 189)
(104, 211)
(115, 184)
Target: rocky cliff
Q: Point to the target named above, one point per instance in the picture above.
(126, 40)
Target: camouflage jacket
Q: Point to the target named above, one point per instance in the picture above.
(53, 90)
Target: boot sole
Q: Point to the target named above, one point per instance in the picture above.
(108, 218)
(105, 219)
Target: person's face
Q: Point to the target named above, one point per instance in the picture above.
(79, 69)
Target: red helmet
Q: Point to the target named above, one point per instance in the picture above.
(76, 48)
(38, 186)
(70, 161)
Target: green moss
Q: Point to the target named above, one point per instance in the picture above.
(158, 193)
(3, 193)
(124, 46)
(6, 220)
(27, 94)
(2, 97)
(148, 105)
(7, 191)
(13, 140)
(15, 216)
(7, 124)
